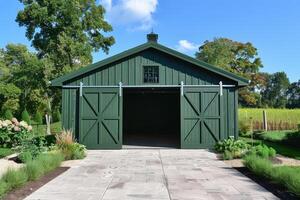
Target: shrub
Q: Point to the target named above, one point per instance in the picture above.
(25, 116)
(292, 139)
(244, 128)
(66, 144)
(272, 152)
(56, 116)
(73, 151)
(237, 148)
(12, 132)
(50, 140)
(263, 151)
(227, 155)
(38, 118)
(78, 151)
(8, 114)
(31, 148)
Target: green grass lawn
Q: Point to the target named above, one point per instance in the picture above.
(281, 149)
(5, 152)
(275, 136)
(41, 129)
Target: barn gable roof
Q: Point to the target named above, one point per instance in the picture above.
(60, 80)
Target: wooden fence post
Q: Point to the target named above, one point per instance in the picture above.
(251, 130)
(265, 121)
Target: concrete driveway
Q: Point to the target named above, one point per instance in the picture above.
(158, 174)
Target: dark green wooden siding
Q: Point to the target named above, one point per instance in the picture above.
(172, 71)
(130, 72)
(69, 105)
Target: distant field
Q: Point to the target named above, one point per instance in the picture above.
(278, 119)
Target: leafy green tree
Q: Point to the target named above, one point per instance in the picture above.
(9, 97)
(27, 72)
(274, 93)
(237, 57)
(56, 116)
(293, 94)
(25, 116)
(67, 31)
(4, 71)
(8, 114)
(38, 118)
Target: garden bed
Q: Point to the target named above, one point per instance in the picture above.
(263, 165)
(32, 186)
(277, 189)
(280, 161)
(36, 160)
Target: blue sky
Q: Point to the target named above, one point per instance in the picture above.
(273, 26)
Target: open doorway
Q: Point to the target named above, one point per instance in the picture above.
(151, 117)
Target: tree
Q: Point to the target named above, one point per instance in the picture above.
(8, 114)
(274, 93)
(3, 68)
(38, 118)
(56, 116)
(67, 31)
(27, 72)
(9, 97)
(25, 116)
(293, 94)
(239, 58)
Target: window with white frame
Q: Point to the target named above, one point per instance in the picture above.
(151, 74)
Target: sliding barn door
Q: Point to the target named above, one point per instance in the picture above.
(201, 117)
(100, 118)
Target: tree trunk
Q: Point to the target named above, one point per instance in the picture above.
(48, 124)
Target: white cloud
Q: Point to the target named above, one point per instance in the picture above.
(186, 46)
(134, 14)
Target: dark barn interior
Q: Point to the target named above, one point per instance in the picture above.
(151, 117)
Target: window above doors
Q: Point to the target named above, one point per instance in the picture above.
(151, 74)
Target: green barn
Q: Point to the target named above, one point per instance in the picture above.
(150, 95)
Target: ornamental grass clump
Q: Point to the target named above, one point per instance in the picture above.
(287, 176)
(44, 163)
(67, 145)
(33, 170)
(15, 178)
(258, 165)
(65, 138)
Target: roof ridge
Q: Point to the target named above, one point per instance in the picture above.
(59, 81)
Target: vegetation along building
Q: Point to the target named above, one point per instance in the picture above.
(150, 95)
